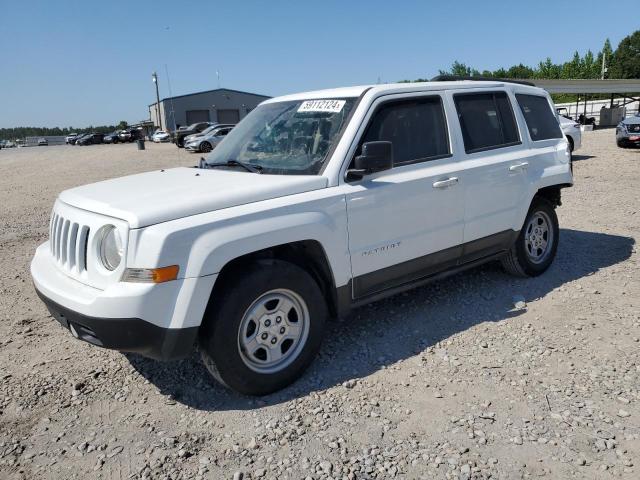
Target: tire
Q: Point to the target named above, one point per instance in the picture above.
(527, 257)
(205, 147)
(231, 345)
(620, 144)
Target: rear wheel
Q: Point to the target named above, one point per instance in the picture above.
(205, 147)
(536, 245)
(264, 328)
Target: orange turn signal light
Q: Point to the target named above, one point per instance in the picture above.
(151, 275)
(165, 274)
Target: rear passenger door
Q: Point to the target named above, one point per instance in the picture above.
(405, 223)
(494, 171)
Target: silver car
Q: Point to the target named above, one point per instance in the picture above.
(206, 131)
(628, 132)
(208, 142)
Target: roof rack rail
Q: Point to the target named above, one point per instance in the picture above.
(452, 78)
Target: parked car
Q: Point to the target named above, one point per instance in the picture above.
(130, 135)
(206, 143)
(113, 137)
(206, 131)
(628, 132)
(74, 141)
(161, 136)
(70, 137)
(179, 135)
(90, 139)
(314, 204)
(43, 142)
(571, 130)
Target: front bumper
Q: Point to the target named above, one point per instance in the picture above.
(630, 139)
(192, 147)
(125, 334)
(159, 321)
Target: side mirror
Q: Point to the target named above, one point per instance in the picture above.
(375, 157)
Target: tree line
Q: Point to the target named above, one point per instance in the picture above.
(623, 62)
(23, 132)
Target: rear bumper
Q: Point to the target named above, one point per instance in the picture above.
(125, 334)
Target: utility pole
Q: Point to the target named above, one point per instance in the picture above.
(154, 77)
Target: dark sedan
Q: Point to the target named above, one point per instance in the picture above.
(113, 137)
(179, 135)
(628, 132)
(74, 140)
(90, 139)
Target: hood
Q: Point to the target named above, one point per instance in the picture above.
(159, 196)
(631, 120)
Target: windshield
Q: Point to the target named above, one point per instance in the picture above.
(286, 138)
(209, 129)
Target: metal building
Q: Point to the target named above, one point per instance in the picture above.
(222, 105)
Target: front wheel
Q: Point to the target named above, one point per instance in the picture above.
(205, 147)
(536, 245)
(264, 327)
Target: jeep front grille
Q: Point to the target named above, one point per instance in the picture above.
(68, 242)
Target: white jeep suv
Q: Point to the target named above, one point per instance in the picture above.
(314, 204)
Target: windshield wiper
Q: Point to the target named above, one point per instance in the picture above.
(232, 163)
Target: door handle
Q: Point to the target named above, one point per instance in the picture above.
(445, 183)
(518, 166)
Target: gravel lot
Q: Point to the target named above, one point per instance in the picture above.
(478, 376)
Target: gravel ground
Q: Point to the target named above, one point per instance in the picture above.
(478, 376)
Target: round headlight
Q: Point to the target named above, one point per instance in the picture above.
(110, 248)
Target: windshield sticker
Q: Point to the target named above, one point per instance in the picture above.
(329, 106)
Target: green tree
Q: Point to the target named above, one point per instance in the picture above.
(548, 69)
(520, 71)
(626, 59)
(571, 70)
(460, 69)
(122, 125)
(589, 67)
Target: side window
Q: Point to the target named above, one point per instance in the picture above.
(541, 121)
(486, 120)
(417, 129)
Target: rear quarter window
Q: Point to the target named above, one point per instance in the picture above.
(486, 121)
(541, 122)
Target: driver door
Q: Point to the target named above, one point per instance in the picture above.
(406, 223)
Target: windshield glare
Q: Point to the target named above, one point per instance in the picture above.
(209, 129)
(286, 138)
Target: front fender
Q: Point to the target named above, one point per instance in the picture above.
(203, 244)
